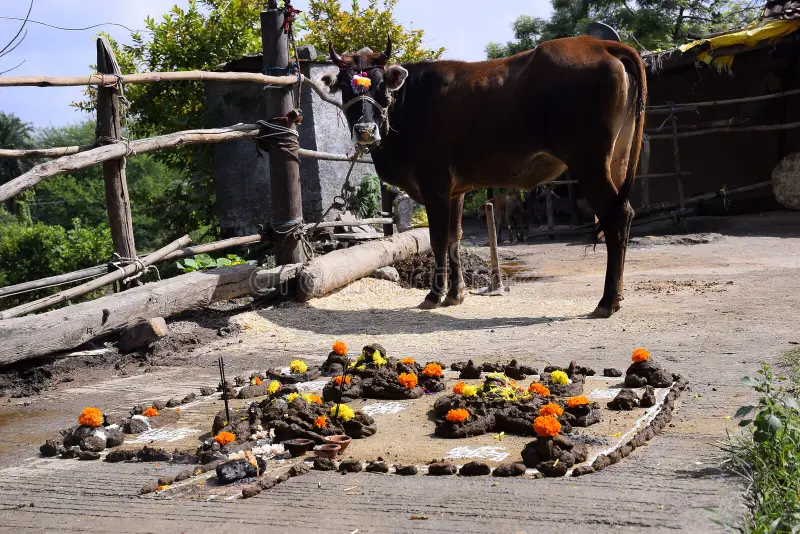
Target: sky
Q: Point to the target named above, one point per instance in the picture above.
(461, 26)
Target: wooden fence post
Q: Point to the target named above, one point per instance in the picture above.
(109, 130)
(284, 171)
(387, 207)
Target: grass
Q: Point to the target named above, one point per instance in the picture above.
(767, 453)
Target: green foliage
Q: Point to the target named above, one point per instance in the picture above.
(652, 24)
(366, 202)
(326, 21)
(474, 200)
(767, 455)
(419, 219)
(16, 134)
(31, 252)
(201, 262)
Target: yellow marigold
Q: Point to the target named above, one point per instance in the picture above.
(345, 413)
(321, 422)
(459, 388)
(291, 396)
(150, 412)
(640, 355)
(256, 381)
(433, 370)
(162, 488)
(408, 380)
(470, 391)
(559, 377)
(298, 366)
(223, 438)
(340, 348)
(580, 400)
(377, 359)
(546, 426)
(457, 416)
(274, 387)
(539, 389)
(551, 409)
(338, 380)
(315, 399)
(407, 361)
(90, 417)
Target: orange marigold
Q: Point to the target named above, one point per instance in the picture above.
(580, 400)
(90, 417)
(539, 389)
(546, 426)
(458, 415)
(432, 369)
(223, 438)
(257, 381)
(407, 361)
(338, 380)
(316, 399)
(640, 355)
(551, 409)
(150, 412)
(408, 380)
(321, 422)
(459, 388)
(340, 348)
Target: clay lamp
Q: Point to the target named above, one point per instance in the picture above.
(329, 450)
(341, 440)
(297, 447)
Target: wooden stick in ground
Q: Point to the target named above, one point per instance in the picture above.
(496, 281)
(82, 289)
(677, 156)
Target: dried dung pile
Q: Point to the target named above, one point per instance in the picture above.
(417, 271)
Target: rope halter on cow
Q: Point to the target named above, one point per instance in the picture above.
(384, 111)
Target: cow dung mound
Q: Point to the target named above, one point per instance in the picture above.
(416, 272)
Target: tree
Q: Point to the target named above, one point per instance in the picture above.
(14, 133)
(369, 26)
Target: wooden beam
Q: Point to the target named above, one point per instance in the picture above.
(680, 108)
(56, 152)
(109, 131)
(144, 77)
(762, 128)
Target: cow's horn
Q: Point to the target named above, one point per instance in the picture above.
(336, 58)
(386, 54)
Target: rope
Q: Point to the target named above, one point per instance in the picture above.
(277, 137)
(384, 111)
(118, 261)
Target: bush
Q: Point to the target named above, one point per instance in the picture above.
(366, 202)
(202, 262)
(38, 251)
(767, 455)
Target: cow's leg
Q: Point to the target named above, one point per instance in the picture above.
(438, 208)
(455, 292)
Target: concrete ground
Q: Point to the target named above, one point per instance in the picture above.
(708, 307)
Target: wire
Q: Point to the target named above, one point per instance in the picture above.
(24, 22)
(76, 29)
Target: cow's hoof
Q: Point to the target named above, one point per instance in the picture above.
(603, 312)
(429, 304)
(453, 301)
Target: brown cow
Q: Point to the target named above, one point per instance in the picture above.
(439, 129)
(508, 208)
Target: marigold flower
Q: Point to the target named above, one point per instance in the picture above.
(539, 389)
(292, 396)
(408, 380)
(150, 412)
(546, 426)
(640, 355)
(177, 410)
(162, 488)
(298, 366)
(338, 380)
(223, 438)
(90, 417)
(340, 348)
(377, 359)
(580, 400)
(559, 377)
(432, 370)
(345, 413)
(407, 361)
(321, 422)
(316, 399)
(256, 381)
(273, 387)
(457, 416)
(469, 391)
(459, 388)
(551, 409)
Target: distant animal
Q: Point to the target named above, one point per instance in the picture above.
(508, 209)
(438, 129)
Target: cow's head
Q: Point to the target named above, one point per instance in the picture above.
(366, 84)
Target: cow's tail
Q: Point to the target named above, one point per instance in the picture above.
(637, 76)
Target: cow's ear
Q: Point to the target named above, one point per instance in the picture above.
(394, 77)
(330, 79)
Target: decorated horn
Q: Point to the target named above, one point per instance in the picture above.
(336, 58)
(386, 54)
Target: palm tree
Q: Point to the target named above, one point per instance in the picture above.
(14, 133)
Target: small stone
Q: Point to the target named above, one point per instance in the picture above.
(582, 470)
(406, 470)
(205, 391)
(509, 470)
(159, 405)
(611, 372)
(50, 447)
(188, 398)
(350, 466)
(70, 452)
(179, 457)
(475, 469)
(324, 464)
(553, 468)
(114, 437)
(183, 475)
(648, 397)
(299, 469)
(626, 399)
(153, 454)
(377, 467)
(119, 455)
(142, 335)
(238, 469)
(113, 419)
(267, 483)
(150, 487)
(136, 426)
(282, 478)
(89, 455)
(635, 381)
(439, 469)
(172, 403)
(251, 491)
(387, 273)
(93, 444)
(166, 481)
(470, 371)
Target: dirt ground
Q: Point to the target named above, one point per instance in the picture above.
(709, 306)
